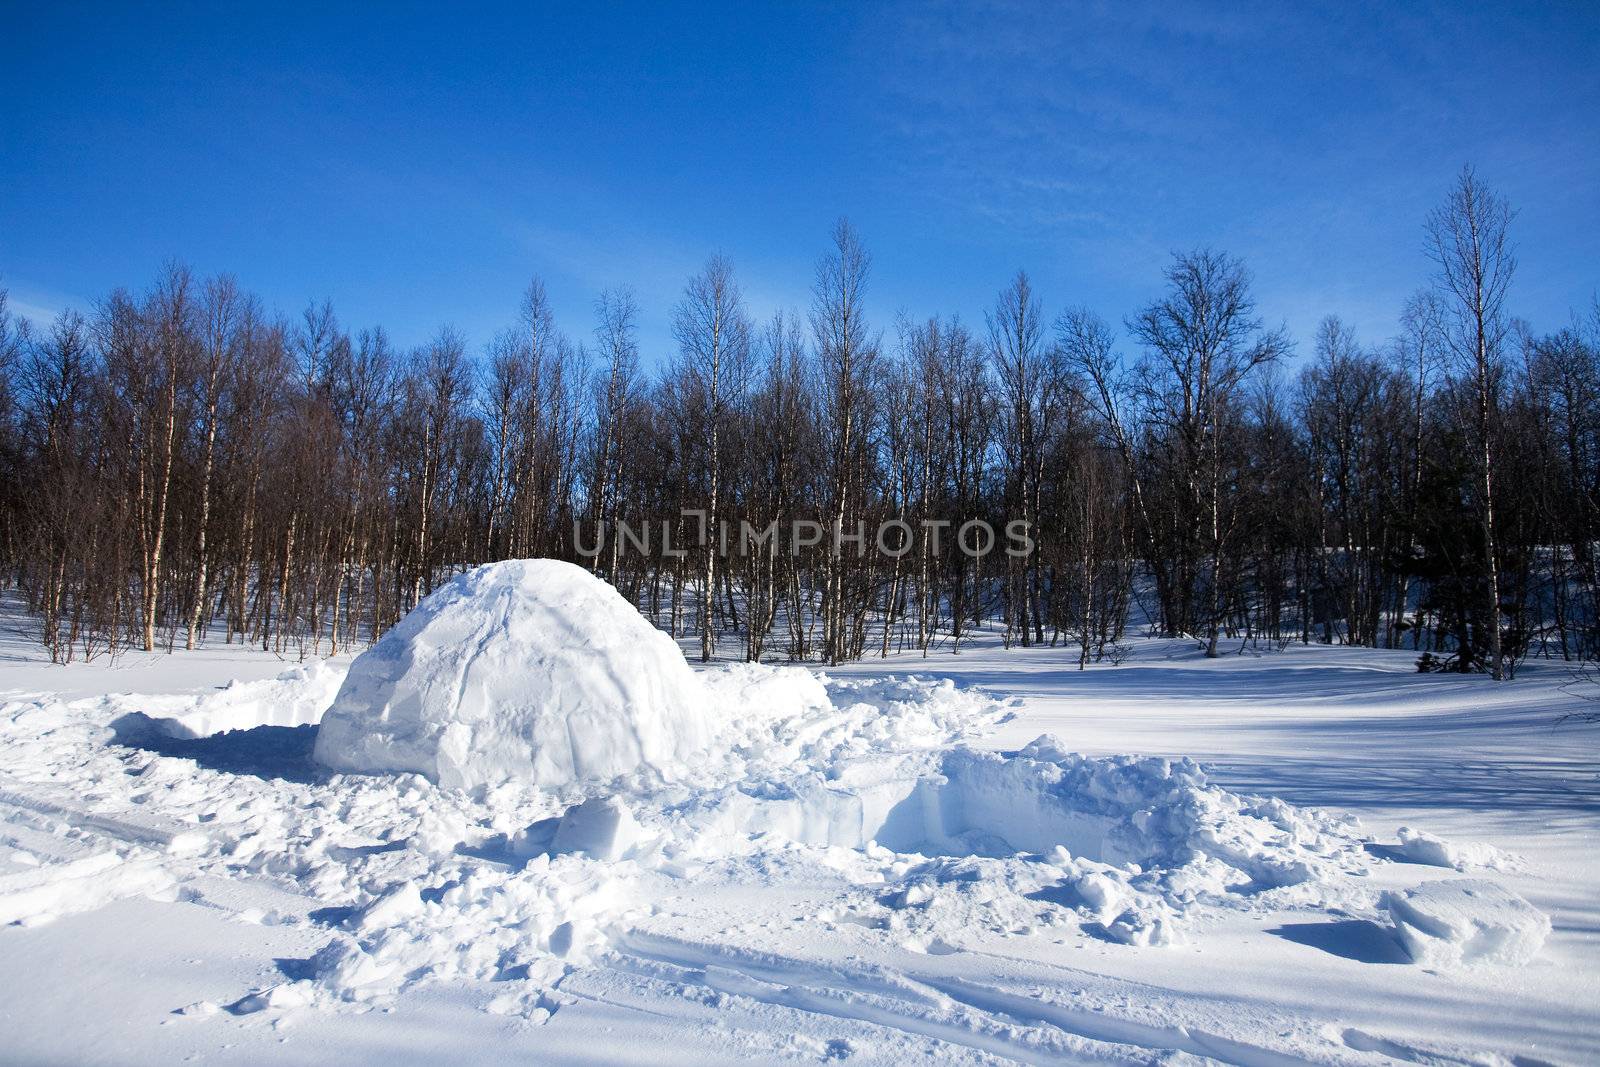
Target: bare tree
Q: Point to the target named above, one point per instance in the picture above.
(438, 386)
(1029, 373)
(1203, 340)
(225, 315)
(713, 335)
(153, 349)
(615, 335)
(1417, 353)
(786, 457)
(1468, 238)
(847, 357)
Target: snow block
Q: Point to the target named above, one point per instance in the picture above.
(601, 828)
(1466, 920)
(527, 670)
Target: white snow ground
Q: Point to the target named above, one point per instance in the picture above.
(218, 899)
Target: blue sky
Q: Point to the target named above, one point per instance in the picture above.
(418, 166)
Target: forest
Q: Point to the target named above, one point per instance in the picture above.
(184, 465)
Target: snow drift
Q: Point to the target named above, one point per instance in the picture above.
(527, 670)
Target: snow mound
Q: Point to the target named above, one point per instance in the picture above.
(485, 926)
(532, 671)
(601, 827)
(818, 761)
(1150, 813)
(1466, 920)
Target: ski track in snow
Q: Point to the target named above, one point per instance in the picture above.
(751, 913)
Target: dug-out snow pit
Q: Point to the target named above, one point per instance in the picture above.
(1466, 920)
(1112, 810)
(529, 671)
(1149, 812)
(1144, 810)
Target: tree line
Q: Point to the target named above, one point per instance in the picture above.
(183, 465)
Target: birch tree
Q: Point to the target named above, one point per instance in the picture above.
(225, 315)
(713, 334)
(616, 339)
(846, 356)
(1028, 370)
(1203, 340)
(1468, 239)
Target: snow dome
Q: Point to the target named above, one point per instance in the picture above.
(526, 670)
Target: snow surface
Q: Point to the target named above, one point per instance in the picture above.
(526, 670)
(959, 865)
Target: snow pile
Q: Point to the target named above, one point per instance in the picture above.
(491, 925)
(1419, 846)
(941, 905)
(1466, 920)
(529, 928)
(775, 719)
(890, 773)
(297, 697)
(527, 670)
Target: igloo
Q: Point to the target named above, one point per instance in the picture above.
(527, 670)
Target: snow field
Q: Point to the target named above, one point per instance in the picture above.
(937, 839)
(798, 818)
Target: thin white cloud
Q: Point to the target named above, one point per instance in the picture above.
(37, 304)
